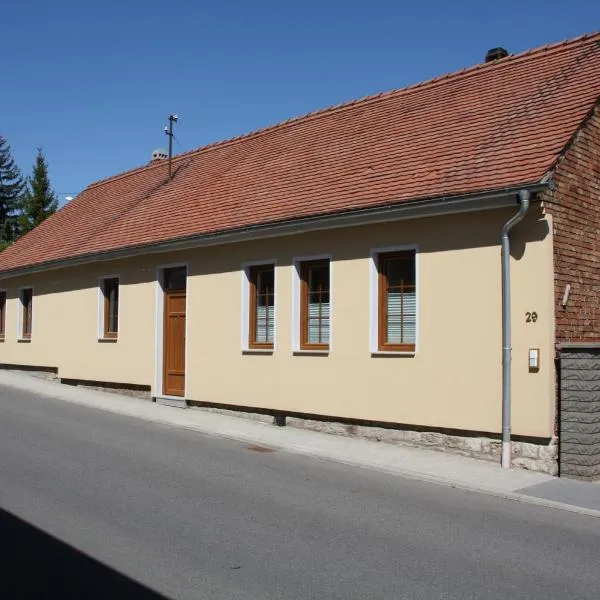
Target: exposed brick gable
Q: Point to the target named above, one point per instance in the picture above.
(575, 206)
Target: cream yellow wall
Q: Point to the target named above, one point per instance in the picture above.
(452, 381)
(65, 324)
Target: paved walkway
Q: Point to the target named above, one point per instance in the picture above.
(429, 465)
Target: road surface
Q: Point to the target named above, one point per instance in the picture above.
(97, 505)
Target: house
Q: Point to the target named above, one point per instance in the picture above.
(345, 265)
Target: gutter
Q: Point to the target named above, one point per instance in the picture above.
(446, 205)
(523, 199)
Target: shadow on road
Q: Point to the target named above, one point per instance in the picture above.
(37, 565)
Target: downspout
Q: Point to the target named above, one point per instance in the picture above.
(523, 197)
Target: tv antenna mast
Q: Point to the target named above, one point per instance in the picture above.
(169, 132)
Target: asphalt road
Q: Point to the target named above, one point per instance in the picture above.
(96, 505)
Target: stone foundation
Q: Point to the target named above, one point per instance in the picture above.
(534, 457)
(580, 411)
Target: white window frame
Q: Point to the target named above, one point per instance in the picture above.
(374, 300)
(101, 281)
(21, 310)
(297, 302)
(5, 292)
(245, 307)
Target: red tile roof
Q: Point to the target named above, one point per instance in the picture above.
(491, 126)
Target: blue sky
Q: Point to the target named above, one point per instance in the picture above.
(93, 82)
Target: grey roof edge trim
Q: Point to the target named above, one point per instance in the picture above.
(445, 205)
(578, 346)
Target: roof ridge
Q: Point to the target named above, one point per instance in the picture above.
(466, 71)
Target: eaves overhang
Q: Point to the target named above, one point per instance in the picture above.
(445, 205)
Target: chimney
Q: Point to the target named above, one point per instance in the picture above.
(158, 154)
(495, 54)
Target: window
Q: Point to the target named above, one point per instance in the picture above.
(262, 306)
(175, 279)
(314, 305)
(110, 293)
(397, 301)
(26, 298)
(2, 315)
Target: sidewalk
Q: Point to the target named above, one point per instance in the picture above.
(428, 465)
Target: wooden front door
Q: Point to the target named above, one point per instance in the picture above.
(174, 285)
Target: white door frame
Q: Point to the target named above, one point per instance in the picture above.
(159, 321)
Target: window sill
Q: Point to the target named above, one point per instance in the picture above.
(24, 341)
(308, 352)
(267, 351)
(407, 353)
(106, 340)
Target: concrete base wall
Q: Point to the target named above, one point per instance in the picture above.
(541, 457)
(580, 411)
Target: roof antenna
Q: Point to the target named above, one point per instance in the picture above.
(169, 132)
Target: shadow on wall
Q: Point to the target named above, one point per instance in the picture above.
(433, 234)
(37, 565)
(533, 228)
(83, 277)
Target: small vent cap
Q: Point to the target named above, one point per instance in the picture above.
(158, 154)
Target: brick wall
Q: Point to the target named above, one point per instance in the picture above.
(575, 206)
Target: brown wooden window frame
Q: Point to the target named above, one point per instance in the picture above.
(304, 272)
(26, 312)
(108, 284)
(2, 314)
(254, 271)
(382, 299)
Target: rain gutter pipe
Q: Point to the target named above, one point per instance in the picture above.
(523, 199)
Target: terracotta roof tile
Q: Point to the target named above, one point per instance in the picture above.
(488, 127)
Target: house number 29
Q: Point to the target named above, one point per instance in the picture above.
(531, 317)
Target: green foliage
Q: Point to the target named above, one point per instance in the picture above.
(11, 188)
(39, 200)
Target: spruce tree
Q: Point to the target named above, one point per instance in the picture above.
(39, 200)
(11, 187)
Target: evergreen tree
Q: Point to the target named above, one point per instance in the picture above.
(39, 200)
(11, 187)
